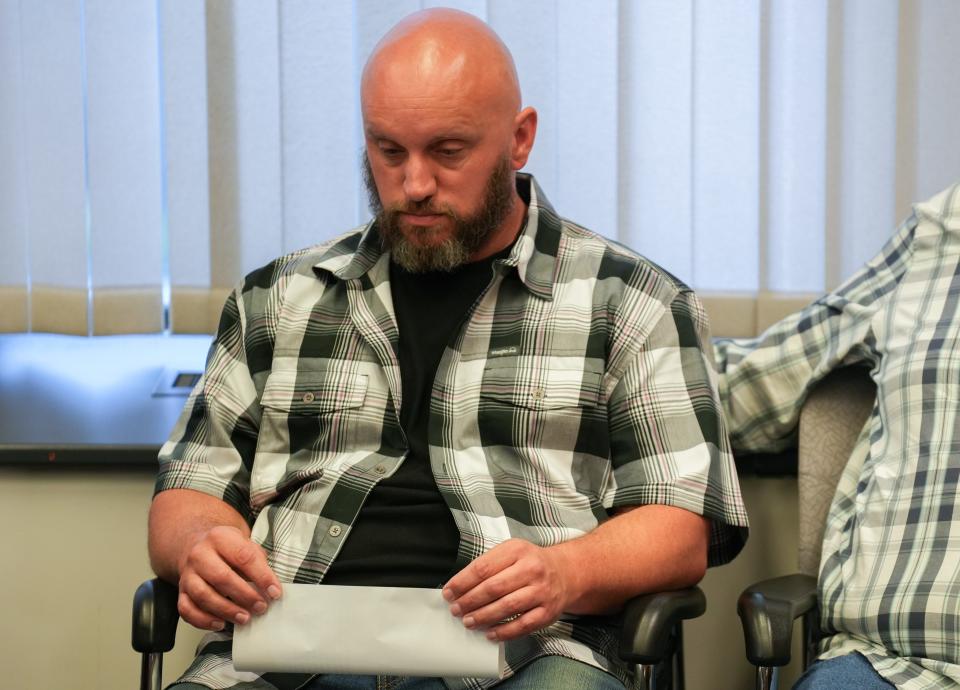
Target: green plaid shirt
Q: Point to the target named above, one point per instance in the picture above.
(890, 566)
(582, 382)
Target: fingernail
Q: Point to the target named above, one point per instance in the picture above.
(455, 610)
(273, 591)
(216, 626)
(469, 622)
(259, 608)
(448, 594)
(242, 617)
(491, 635)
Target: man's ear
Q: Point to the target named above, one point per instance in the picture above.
(524, 132)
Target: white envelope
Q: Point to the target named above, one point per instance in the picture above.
(399, 631)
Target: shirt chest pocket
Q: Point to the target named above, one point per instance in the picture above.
(308, 414)
(547, 408)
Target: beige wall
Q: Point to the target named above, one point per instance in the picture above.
(73, 552)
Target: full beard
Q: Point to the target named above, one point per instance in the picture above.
(414, 249)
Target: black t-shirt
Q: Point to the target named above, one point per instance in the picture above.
(405, 535)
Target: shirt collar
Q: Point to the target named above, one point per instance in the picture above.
(534, 254)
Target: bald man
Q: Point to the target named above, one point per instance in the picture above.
(468, 392)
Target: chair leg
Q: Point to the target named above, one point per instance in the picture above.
(151, 672)
(767, 677)
(811, 634)
(679, 681)
(647, 676)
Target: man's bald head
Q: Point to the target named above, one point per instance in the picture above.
(444, 136)
(444, 48)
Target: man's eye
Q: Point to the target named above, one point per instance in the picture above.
(449, 152)
(390, 151)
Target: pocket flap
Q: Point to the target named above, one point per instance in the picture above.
(550, 389)
(313, 392)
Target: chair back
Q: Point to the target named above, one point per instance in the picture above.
(830, 422)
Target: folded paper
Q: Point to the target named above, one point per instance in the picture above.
(399, 631)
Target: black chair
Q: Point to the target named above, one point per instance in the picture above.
(830, 422)
(651, 632)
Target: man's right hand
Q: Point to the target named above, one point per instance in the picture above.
(224, 576)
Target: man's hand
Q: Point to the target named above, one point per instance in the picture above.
(216, 573)
(512, 590)
(517, 587)
(204, 544)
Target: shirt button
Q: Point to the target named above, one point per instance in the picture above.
(308, 397)
(538, 394)
(380, 469)
(335, 530)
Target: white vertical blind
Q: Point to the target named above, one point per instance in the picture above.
(13, 212)
(167, 147)
(656, 118)
(123, 163)
(244, 108)
(587, 113)
(183, 68)
(52, 92)
(318, 138)
(868, 128)
(796, 145)
(937, 96)
(726, 136)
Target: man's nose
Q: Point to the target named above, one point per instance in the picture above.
(419, 182)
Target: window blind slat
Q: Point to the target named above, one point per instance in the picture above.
(243, 79)
(655, 131)
(13, 212)
(796, 146)
(123, 154)
(184, 71)
(937, 97)
(55, 181)
(321, 144)
(868, 129)
(726, 67)
(587, 95)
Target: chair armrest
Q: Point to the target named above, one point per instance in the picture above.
(155, 617)
(649, 619)
(767, 610)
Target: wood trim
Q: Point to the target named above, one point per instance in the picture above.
(745, 315)
(127, 310)
(14, 305)
(196, 310)
(58, 310)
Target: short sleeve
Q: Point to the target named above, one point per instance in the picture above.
(669, 441)
(764, 381)
(212, 445)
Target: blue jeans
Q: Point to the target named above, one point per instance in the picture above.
(850, 671)
(546, 673)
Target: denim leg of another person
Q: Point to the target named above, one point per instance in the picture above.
(847, 672)
(343, 682)
(545, 673)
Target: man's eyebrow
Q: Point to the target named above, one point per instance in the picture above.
(374, 133)
(458, 135)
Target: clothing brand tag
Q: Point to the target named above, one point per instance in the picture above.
(504, 351)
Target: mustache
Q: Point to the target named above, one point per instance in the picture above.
(421, 208)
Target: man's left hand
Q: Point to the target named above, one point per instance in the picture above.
(512, 590)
